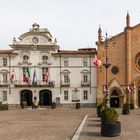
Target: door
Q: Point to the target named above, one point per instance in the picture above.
(45, 98)
(26, 95)
(114, 102)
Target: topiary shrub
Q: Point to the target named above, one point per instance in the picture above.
(132, 106)
(109, 115)
(100, 108)
(126, 106)
(53, 105)
(23, 104)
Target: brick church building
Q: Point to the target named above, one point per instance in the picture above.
(124, 71)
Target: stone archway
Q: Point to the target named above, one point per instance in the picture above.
(45, 98)
(26, 95)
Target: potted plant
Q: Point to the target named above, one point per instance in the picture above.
(23, 104)
(100, 108)
(53, 105)
(132, 106)
(78, 106)
(126, 109)
(110, 126)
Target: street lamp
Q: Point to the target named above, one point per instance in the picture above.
(106, 65)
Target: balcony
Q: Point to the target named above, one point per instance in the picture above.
(85, 83)
(65, 84)
(4, 83)
(36, 84)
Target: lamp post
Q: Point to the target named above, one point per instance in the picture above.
(106, 65)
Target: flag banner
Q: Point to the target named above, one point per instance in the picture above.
(12, 77)
(96, 61)
(128, 89)
(27, 75)
(34, 78)
(104, 89)
(134, 85)
(46, 76)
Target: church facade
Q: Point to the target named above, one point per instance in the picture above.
(36, 66)
(124, 70)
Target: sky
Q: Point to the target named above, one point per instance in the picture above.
(74, 23)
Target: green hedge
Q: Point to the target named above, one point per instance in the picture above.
(4, 106)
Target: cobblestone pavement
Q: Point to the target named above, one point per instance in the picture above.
(130, 127)
(41, 124)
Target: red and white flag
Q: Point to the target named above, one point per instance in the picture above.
(104, 90)
(46, 76)
(96, 61)
(134, 85)
(128, 89)
(12, 77)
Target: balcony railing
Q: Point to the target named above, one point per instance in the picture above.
(85, 83)
(35, 84)
(65, 84)
(4, 83)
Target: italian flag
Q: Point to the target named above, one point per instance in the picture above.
(27, 75)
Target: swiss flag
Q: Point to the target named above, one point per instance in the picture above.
(128, 89)
(96, 61)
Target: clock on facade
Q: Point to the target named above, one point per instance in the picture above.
(35, 40)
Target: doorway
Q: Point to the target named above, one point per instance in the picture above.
(26, 95)
(114, 99)
(45, 98)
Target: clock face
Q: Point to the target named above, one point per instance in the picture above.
(35, 40)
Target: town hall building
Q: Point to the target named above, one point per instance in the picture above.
(54, 75)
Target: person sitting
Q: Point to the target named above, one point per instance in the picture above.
(35, 103)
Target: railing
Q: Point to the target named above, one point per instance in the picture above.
(4, 83)
(34, 84)
(85, 83)
(65, 84)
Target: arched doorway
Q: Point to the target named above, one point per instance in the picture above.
(26, 95)
(45, 98)
(114, 99)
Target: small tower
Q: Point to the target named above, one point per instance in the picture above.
(99, 34)
(127, 20)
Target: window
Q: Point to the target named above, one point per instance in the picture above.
(44, 71)
(114, 70)
(25, 57)
(4, 95)
(85, 62)
(44, 58)
(5, 78)
(66, 95)
(85, 97)
(4, 61)
(66, 79)
(65, 63)
(25, 73)
(85, 78)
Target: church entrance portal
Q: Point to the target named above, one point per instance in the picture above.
(114, 99)
(26, 95)
(45, 98)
